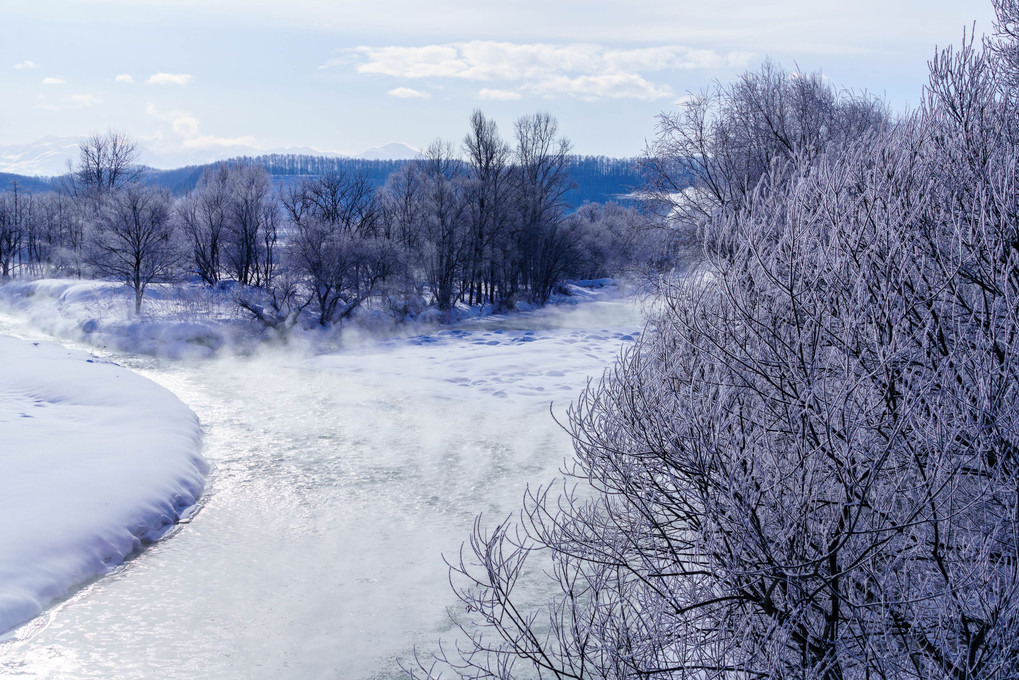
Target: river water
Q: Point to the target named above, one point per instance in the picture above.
(338, 480)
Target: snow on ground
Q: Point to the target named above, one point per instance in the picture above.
(176, 322)
(195, 321)
(508, 364)
(96, 461)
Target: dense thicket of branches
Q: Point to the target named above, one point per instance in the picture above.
(808, 467)
(477, 223)
(710, 156)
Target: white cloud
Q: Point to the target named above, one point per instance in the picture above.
(511, 61)
(124, 78)
(169, 79)
(26, 65)
(408, 93)
(185, 126)
(608, 86)
(412, 62)
(54, 81)
(586, 70)
(672, 58)
(156, 113)
(184, 132)
(498, 95)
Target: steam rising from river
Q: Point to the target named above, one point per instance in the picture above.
(338, 481)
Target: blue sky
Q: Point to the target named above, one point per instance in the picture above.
(344, 76)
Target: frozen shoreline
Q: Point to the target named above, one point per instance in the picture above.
(97, 461)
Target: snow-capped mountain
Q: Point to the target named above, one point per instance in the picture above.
(45, 157)
(391, 152)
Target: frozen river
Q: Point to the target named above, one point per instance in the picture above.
(337, 482)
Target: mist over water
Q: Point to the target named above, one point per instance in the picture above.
(337, 482)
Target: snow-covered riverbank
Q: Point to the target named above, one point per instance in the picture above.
(182, 322)
(195, 321)
(96, 461)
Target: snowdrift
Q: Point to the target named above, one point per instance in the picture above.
(96, 461)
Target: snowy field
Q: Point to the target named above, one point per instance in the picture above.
(339, 476)
(96, 461)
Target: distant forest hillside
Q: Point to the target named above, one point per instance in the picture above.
(597, 179)
(33, 185)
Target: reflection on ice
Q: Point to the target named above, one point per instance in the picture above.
(338, 480)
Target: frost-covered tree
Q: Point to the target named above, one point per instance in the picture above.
(336, 246)
(446, 243)
(204, 216)
(488, 192)
(345, 200)
(611, 240)
(135, 240)
(248, 251)
(15, 228)
(709, 156)
(1005, 45)
(808, 466)
(340, 270)
(106, 162)
(542, 249)
(61, 225)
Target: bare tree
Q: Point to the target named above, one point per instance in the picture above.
(277, 306)
(106, 162)
(203, 216)
(541, 180)
(402, 205)
(344, 200)
(62, 223)
(251, 228)
(134, 240)
(445, 242)
(336, 248)
(488, 194)
(612, 240)
(15, 216)
(339, 269)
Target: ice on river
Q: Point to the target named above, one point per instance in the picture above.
(95, 461)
